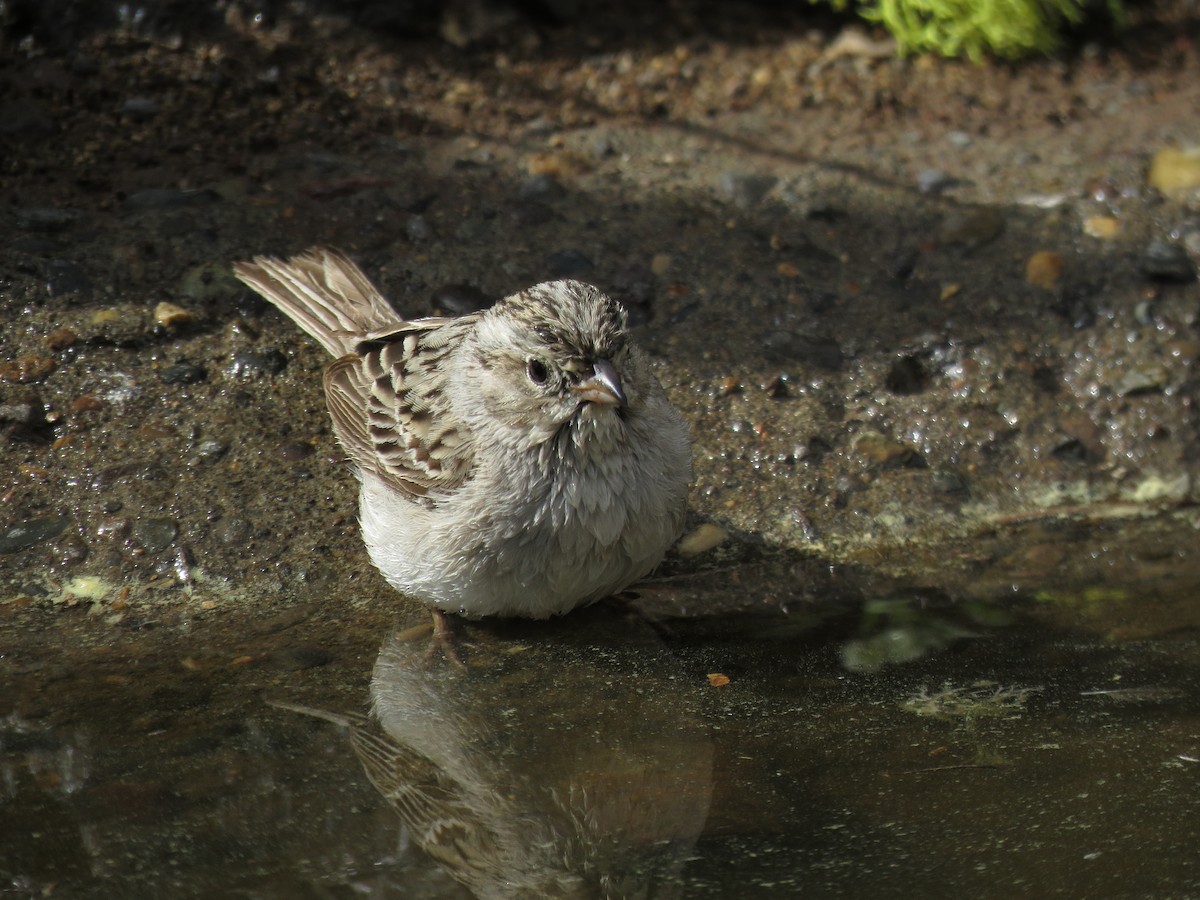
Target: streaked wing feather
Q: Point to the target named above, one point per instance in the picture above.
(391, 414)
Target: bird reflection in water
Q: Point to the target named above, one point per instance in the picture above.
(567, 760)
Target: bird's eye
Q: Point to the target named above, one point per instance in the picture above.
(538, 372)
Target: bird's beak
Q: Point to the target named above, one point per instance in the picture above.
(604, 387)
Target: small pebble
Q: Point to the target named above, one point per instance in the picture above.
(1148, 379)
(702, 539)
(1043, 269)
(183, 372)
(1167, 262)
(71, 549)
(294, 451)
(154, 535)
(746, 189)
(1104, 228)
(31, 532)
(232, 531)
(140, 109)
(933, 181)
(47, 220)
(1175, 172)
(559, 164)
(27, 369)
(172, 317)
(248, 364)
(418, 230)
(542, 186)
(883, 452)
(211, 450)
(114, 528)
(60, 339)
(972, 227)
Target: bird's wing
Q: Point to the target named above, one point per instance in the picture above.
(391, 412)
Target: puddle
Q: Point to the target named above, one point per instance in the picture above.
(876, 739)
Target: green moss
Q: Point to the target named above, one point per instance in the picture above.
(1008, 29)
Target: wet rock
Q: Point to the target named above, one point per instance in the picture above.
(1175, 172)
(1163, 261)
(1104, 228)
(60, 339)
(172, 317)
(744, 189)
(295, 451)
(127, 473)
(946, 480)
(27, 369)
(933, 181)
(211, 450)
(32, 532)
(1043, 269)
(47, 220)
(232, 531)
(601, 145)
(249, 364)
(1147, 379)
(881, 452)
(177, 564)
(154, 535)
(568, 263)
(776, 387)
(183, 372)
(418, 229)
(114, 529)
(542, 187)
(139, 109)
(818, 351)
(29, 412)
(65, 277)
(459, 299)
(560, 164)
(971, 227)
(71, 550)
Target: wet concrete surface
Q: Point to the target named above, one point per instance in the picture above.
(936, 334)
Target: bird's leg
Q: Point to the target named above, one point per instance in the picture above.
(443, 639)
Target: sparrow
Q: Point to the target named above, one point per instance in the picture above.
(520, 461)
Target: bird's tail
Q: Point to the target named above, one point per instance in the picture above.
(324, 293)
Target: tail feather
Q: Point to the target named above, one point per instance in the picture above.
(324, 293)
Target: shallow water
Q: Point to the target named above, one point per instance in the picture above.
(875, 739)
